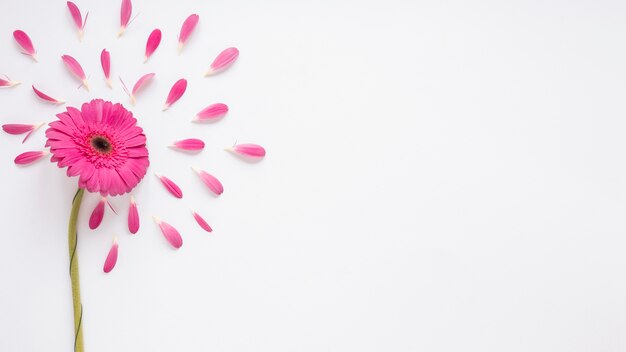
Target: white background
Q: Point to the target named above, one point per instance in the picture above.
(441, 176)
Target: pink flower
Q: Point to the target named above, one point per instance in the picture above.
(102, 144)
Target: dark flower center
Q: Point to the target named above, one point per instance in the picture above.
(101, 144)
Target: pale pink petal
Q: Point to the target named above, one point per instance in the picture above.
(74, 67)
(153, 43)
(97, 214)
(125, 13)
(105, 60)
(8, 82)
(46, 97)
(109, 263)
(17, 128)
(192, 144)
(251, 150)
(185, 31)
(201, 222)
(171, 186)
(177, 91)
(133, 217)
(29, 157)
(223, 61)
(211, 181)
(78, 18)
(170, 233)
(24, 41)
(212, 112)
(141, 82)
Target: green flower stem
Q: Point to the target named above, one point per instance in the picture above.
(72, 239)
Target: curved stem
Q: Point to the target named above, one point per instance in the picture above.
(72, 239)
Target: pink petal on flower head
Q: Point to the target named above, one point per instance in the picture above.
(153, 43)
(177, 91)
(210, 181)
(171, 186)
(74, 67)
(125, 13)
(105, 60)
(29, 157)
(170, 233)
(133, 217)
(46, 97)
(251, 150)
(212, 112)
(201, 222)
(78, 18)
(17, 128)
(185, 31)
(8, 82)
(191, 144)
(109, 263)
(24, 41)
(223, 61)
(97, 214)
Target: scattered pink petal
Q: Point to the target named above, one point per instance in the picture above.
(18, 128)
(74, 67)
(153, 43)
(29, 157)
(133, 216)
(109, 263)
(223, 61)
(210, 181)
(46, 97)
(8, 82)
(171, 186)
(24, 41)
(97, 214)
(105, 60)
(185, 31)
(78, 18)
(141, 82)
(170, 233)
(212, 112)
(201, 222)
(177, 91)
(125, 13)
(251, 150)
(191, 144)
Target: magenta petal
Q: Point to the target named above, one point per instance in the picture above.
(46, 97)
(17, 128)
(29, 157)
(177, 91)
(211, 181)
(105, 60)
(251, 150)
(125, 13)
(201, 222)
(153, 43)
(212, 112)
(133, 217)
(76, 69)
(171, 186)
(97, 214)
(187, 28)
(109, 263)
(78, 19)
(223, 61)
(191, 144)
(24, 41)
(170, 233)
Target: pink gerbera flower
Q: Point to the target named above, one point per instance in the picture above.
(102, 144)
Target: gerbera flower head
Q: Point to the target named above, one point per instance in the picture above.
(102, 144)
